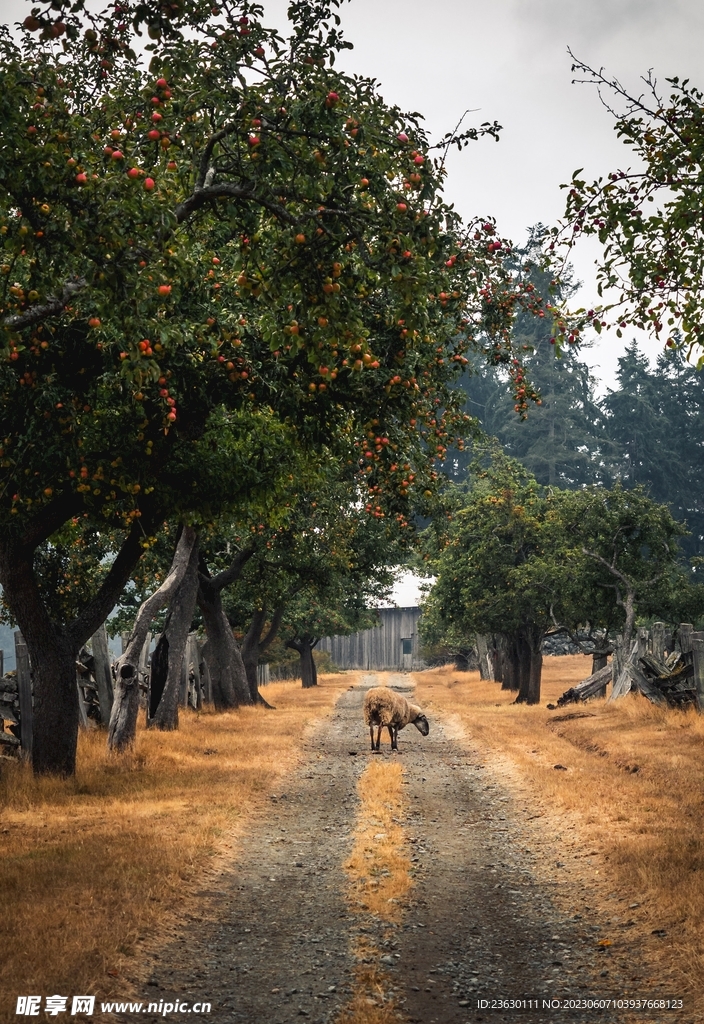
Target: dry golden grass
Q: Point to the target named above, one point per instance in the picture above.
(379, 865)
(379, 880)
(632, 794)
(93, 864)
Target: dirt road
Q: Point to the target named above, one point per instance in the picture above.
(274, 939)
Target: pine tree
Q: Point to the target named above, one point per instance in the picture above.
(562, 442)
(655, 421)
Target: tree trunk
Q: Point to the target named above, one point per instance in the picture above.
(53, 663)
(304, 645)
(599, 661)
(530, 647)
(484, 660)
(55, 712)
(125, 708)
(523, 660)
(167, 664)
(309, 673)
(461, 661)
(53, 649)
(103, 675)
(511, 664)
(497, 660)
(250, 651)
(253, 646)
(220, 651)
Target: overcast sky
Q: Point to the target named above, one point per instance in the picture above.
(508, 59)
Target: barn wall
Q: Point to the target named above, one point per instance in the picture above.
(379, 648)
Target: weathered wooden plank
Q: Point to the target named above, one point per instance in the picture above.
(24, 689)
(9, 739)
(587, 688)
(644, 685)
(658, 640)
(685, 636)
(9, 714)
(698, 665)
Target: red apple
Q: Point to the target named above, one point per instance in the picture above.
(164, 289)
(154, 134)
(149, 184)
(81, 178)
(161, 83)
(117, 155)
(133, 172)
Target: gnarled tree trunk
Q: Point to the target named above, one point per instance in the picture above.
(510, 659)
(220, 651)
(530, 645)
(253, 646)
(304, 645)
(52, 648)
(125, 708)
(168, 657)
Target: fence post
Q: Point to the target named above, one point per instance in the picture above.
(659, 640)
(685, 635)
(642, 642)
(698, 663)
(24, 690)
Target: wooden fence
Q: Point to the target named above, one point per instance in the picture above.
(666, 667)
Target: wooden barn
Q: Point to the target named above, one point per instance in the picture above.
(393, 644)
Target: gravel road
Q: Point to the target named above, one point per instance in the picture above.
(272, 940)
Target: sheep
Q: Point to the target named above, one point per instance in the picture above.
(384, 708)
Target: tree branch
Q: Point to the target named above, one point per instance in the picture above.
(229, 575)
(52, 306)
(105, 598)
(228, 189)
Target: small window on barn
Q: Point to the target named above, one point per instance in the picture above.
(407, 645)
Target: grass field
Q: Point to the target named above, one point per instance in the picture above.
(632, 797)
(92, 865)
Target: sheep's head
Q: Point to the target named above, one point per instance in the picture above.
(420, 721)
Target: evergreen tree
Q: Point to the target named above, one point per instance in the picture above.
(655, 421)
(562, 441)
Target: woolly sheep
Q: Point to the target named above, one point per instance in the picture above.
(385, 709)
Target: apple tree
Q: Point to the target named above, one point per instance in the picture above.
(647, 216)
(234, 226)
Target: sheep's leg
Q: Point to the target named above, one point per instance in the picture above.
(391, 736)
(378, 737)
(371, 734)
(394, 738)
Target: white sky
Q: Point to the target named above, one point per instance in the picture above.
(508, 58)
